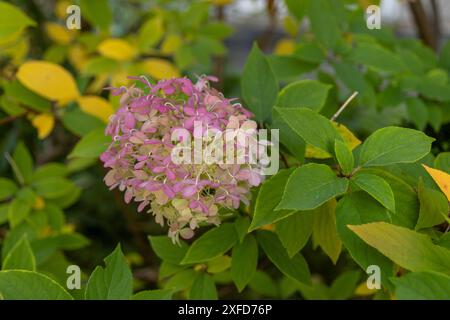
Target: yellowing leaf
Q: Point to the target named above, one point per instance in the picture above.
(284, 47)
(116, 49)
(44, 124)
(363, 290)
(12, 20)
(39, 203)
(171, 44)
(222, 2)
(78, 56)
(48, 80)
(61, 8)
(160, 69)
(58, 33)
(96, 106)
(441, 178)
(349, 138)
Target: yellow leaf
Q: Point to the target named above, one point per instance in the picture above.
(98, 84)
(284, 47)
(61, 9)
(48, 80)
(58, 33)
(363, 290)
(171, 44)
(39, 203)
(44, 124)
(160, 69)
(116, 49)
(441, 178)
(290, 25)
(349, 138)
(78, 56)
(96, 106)
(221, 2)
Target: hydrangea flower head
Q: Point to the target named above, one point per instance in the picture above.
(139, 159)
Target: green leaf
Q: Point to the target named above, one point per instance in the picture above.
(7, 188)
(344, 156)
(288, 137)
(325, 232)
(422, 286)
(53, 187)
(324, 22)
(377, 187)
(310, 94)
(114, 282)
(433, 207)
(203, 288)
(100, 65)
(98, 13)
(242, 224)
(166, 250)
(151, 33)
(314, 128)
(442, 162)
(12, 21)
(50, 170)
(45, 247)
(81, 123)
(18, 210)
(294, 231)
(212, 244)
(159, 294)
(20, 257)
(30, 99)
(244, 262)
(289, 67)
(376, 57)
(310, 186)
(264, 285)
(358, 208)
(417, 112)
(409, 249)
(296, 8)
(23, 162)
(181, 280)
(91, 145)
(269, 196)
(444, 59)
(296, 267)
(391, 145)
(258, 85)
(218, 264)
(29, 285)
(344, 286)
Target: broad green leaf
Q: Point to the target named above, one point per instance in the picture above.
(166, 250)
(20, 257)
(218, 264)
(422, 286)
(324, 230)
(151, 33)
(244, 262)
(18, 210)
(288, 137)
(297, 8)
(158, 294)
(100, 65)
(263, 284)
(442, 162)
(295, 230)
(394, 145)
(203, 288)
(98, 13)
(377, 187)
(258, 85)
(359, 208)
(91, 145)
(30, 99)
(417, 112)
(53, 187)
(409, 249)
(242, 224)
(12, 21)
(289, 67)
(344, 156)
(29, 285)
(7, 188)
(181, 280)
(324, 21)
(45, 247)
(344, 286)
(49, 170)
(114, 282)
(295, 267)
(23, 163)
(212, 244)
(310, 94)
(310, 186)
(314, 128)
(269, 196)
(376, 57)
(433, 207)
(80, 123)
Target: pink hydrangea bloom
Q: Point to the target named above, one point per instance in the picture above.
(139, 157)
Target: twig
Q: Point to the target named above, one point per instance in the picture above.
(8, 119)
(333, 118)
(424, 28)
